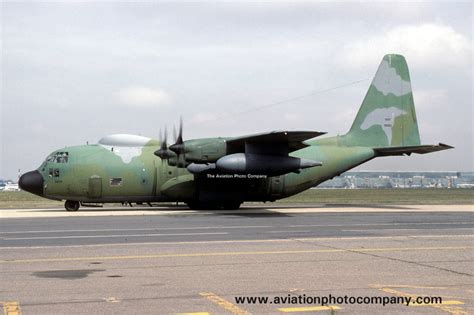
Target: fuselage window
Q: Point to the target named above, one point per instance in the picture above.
(116, 181)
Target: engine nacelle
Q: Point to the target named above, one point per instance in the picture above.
(272, 165)
(204, 150)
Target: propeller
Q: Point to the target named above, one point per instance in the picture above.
(178, 146)
(163, 153)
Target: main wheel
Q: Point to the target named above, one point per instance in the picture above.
(231, 205)
(228, 205)
(200, 205)
(194, 205)
(71, 205)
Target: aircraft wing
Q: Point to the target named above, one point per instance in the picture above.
(273, 143)
(420, 149)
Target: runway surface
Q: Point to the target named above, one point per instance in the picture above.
(174, 261)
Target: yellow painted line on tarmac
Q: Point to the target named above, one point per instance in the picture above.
(438, 288)
(378, 286)
(234, 309)
(195, 313)
(245, 253)
(447, 306)
(11, 308)
(453, 302)
(111, 300)
(308, 309)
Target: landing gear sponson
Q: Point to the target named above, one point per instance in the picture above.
(228, 205)
(72, 205)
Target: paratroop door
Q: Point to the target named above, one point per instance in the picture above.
(95, 187)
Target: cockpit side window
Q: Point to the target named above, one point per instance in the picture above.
(53, 172)
(58, 157)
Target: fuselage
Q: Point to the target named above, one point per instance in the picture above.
(116, 173)
(126, 168)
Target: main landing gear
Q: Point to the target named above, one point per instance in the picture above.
(71, 205)
(227, 205)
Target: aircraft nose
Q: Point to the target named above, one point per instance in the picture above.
(32, 182)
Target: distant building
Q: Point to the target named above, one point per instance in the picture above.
(8, 185)
(374, 179)
(11, 187)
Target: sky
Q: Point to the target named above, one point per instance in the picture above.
(77, 71)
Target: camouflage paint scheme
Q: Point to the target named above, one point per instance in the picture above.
(385, 125)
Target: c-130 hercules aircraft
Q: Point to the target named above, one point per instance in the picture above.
(221, 173)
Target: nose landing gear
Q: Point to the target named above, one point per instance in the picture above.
(71, 205)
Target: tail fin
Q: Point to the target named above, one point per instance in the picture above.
(387, 116)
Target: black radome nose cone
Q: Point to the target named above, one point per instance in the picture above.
(32, 182)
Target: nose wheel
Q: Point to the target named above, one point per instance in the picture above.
(71, 205)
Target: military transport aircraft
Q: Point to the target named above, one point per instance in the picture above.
(223, 172)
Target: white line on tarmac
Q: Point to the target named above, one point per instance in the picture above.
(240, 227)
(147, 229)
(294, 231)
(279, 240)
(412, 229)
(43, 213)
(105, 236)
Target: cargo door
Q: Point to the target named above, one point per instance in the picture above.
(95, 187)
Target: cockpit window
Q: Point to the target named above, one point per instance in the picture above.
(54, 172)
(58, 157)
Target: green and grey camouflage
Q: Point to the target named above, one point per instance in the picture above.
(224, 172)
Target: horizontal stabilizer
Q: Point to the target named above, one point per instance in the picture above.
(419, 149)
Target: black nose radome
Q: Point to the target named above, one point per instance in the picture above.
(32, 182)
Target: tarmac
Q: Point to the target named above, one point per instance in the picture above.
(171, 260)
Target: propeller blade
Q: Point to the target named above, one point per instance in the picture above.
(165, 140)
(180, 135)
(163, 153)
(178, 146)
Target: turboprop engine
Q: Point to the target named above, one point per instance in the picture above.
(260, 154)
(248, 163)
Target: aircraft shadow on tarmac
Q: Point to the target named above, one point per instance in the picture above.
(249, 211)
(184, 211)
(339, 206)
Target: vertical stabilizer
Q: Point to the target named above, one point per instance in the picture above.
(387, 115)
